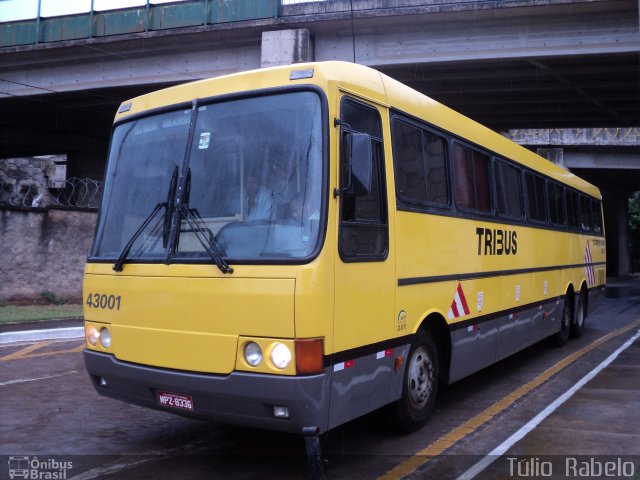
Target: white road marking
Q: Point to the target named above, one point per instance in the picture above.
(25, 380)
(37, 335)
(501, 449)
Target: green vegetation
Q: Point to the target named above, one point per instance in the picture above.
(51, 297)
(26, 313)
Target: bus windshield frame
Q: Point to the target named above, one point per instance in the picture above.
(252, 182)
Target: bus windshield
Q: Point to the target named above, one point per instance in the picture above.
(251, 179)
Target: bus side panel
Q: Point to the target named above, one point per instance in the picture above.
(473, 347)
(364, 384)
(522, 329)
(506, 333)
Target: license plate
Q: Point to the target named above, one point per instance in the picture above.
(175, 400)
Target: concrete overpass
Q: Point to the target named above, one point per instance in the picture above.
(513, 65)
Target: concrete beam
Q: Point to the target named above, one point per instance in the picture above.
(283, 47)
(597, 160)
(454, 36)
(88, 65)
(609, 137)
(397, 35)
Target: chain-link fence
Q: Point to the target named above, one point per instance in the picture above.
(77, 193)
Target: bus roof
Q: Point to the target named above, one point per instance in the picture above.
(365, 82)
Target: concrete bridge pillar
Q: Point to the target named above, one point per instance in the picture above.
(616, 218)
(283, 47)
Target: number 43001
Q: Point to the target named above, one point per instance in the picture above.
(104, 301)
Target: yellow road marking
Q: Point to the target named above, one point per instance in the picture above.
(438, 447)
(26, 351)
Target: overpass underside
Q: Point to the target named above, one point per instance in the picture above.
(515, 65)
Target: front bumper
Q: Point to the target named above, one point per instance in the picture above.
(239, 398)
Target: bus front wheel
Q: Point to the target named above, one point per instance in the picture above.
(420, 386)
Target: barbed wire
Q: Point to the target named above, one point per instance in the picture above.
(76, 193)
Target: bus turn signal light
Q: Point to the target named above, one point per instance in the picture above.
(309, 356)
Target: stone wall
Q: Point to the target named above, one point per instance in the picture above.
(26, 181)
(43, 250)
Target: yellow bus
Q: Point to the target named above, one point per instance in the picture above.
(294, 247)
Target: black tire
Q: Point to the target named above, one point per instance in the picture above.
(577, 323)
(420, 386)
(561, 337)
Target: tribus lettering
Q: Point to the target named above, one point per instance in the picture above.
(492, 241)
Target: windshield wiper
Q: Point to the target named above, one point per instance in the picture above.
(198, 227)
(125, 252)
(166, 224)
(168, 215)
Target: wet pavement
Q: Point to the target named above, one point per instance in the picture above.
(50, 411)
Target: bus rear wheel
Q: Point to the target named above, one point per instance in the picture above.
(578, 319)
(420, 386)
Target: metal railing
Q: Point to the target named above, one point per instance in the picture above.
(143, 16)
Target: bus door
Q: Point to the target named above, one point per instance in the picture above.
(365, 272)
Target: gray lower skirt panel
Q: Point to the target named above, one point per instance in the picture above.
(477, 346)
(240, 398)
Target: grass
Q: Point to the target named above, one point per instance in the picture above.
(28, 313)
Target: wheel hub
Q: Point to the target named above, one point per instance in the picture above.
(420, 379)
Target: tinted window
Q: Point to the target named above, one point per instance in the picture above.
(471, 172)
(596, 215)
(420, 165)
(353, 114)
(555, 203)
(585, 213)
(534, 189)
(363, 222)
(508, 190)
(573, 208)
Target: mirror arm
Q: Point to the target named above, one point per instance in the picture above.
(339, 191)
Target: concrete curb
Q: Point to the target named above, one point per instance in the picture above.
(37, 335)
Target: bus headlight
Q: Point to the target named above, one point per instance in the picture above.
(105, 337)
(92, 335)
(280, 356)
(253, 354)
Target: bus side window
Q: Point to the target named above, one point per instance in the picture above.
(573, 208)
(555, 204)
(534, 188)
(364, 232)
(508, 190)
(585, 213)
(420, 165)
(472, 181)
(596, 215)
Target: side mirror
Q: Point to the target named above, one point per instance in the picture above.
(360, 162)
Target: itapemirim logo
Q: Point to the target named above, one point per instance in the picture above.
(38, 469)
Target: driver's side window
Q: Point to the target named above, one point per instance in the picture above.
(363, 215)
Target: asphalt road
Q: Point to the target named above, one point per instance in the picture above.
(53, 422)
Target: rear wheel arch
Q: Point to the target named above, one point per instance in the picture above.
(567, 316)
(584, 292)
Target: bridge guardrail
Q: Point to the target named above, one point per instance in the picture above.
(147, 17)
